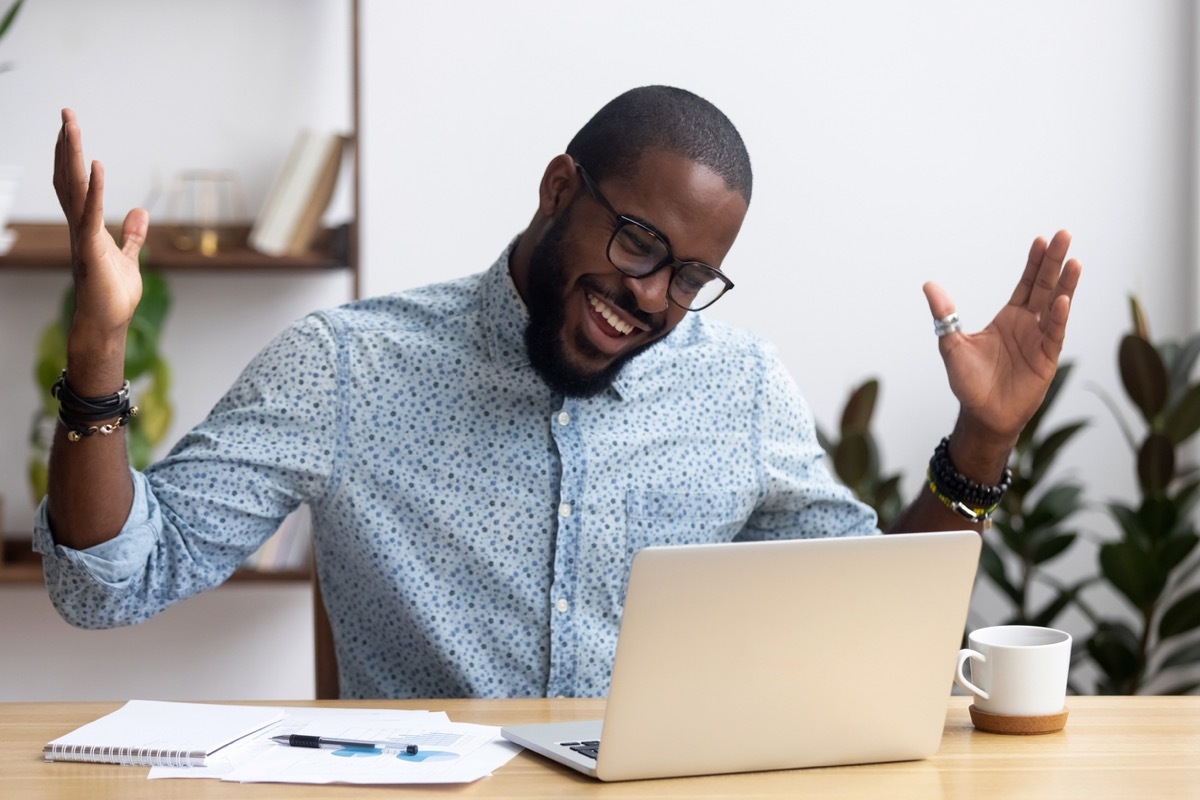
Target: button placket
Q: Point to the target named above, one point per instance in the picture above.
(564, 430)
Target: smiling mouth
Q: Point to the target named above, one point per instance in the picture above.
(613, 325)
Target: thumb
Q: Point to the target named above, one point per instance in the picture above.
(133, 232)
(940, 304)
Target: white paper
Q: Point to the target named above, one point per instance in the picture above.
(448, 752)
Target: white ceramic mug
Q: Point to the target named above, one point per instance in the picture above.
(1017, 670)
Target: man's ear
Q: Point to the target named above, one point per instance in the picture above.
(559, 184)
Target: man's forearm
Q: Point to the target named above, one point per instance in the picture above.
(90, 489)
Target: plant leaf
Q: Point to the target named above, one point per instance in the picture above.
(1058, 503)
(1183, 616)
(1143, 375)
(1182, 656)
(1056, 383)
(1132, 572)
(1046, 616)
(1180, 366)
(1045, 452)
(856, 416)
(1052, 547)
(9, 16)
(1127, 518)
(852, 458)
(1156, 463)
(1114, 649)
(1174, 550)
(155, 302)
(993, 567)
(1140, 326)
(1183, 418)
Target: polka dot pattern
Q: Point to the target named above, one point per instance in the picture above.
(473, 530)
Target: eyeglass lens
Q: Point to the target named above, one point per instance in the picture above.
(637, 251)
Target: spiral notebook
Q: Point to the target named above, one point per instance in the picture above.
(156, 733)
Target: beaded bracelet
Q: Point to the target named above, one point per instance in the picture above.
(967, 498)
(77, 414)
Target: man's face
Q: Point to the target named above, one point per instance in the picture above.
(587, 319)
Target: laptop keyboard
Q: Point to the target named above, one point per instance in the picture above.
(590, 748)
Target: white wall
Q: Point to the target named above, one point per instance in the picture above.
(893, 143)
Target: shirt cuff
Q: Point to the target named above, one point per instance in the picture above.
(112, 562)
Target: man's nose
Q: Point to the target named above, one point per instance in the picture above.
(650, 291)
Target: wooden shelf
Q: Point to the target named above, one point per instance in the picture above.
(20, 565)
(41, 246)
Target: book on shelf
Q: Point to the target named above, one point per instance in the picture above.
(154, 733)
(291, 214)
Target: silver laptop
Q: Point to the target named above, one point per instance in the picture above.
(776, 655)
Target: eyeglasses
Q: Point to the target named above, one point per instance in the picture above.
(639, 251)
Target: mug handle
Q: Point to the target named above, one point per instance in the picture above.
(961, 680)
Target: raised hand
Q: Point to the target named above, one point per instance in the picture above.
(108, 284)
(1001, 374)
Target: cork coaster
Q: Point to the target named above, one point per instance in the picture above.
(1020, 726)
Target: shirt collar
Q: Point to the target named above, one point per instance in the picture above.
(505, 316)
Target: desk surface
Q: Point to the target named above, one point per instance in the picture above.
(1113, 747)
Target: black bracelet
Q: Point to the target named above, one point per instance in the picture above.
(109, 404)
(968, 498)
(77, 414)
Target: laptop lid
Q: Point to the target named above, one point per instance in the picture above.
(776, 655)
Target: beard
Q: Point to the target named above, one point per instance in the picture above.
(545, 334)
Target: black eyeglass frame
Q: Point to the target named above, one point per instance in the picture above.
(668, 260)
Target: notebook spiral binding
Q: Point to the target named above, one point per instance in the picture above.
(128, 756)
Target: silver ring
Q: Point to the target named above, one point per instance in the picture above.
(947, 325)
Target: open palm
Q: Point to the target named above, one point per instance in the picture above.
(108, 284)
(1001, 373)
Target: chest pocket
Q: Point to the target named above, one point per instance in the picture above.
(663, 517)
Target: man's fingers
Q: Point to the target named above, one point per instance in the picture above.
(92, 217)
(70, 172)
(1045, 284)
(1020, 295)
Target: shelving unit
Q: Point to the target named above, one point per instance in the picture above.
(43, 246)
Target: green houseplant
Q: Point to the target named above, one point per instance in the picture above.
(5, 23)
(1154, 560)
(855, 455)
(145, 368)
(1031, 526)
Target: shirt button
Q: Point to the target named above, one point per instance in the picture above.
(564, 510)
(562, 605)
(563, 418)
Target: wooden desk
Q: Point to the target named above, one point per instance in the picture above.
(1125, 747)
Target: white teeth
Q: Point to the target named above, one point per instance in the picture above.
(609, 315)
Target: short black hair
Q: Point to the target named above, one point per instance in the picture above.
(662, 118)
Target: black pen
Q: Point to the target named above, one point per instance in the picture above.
(300, 740)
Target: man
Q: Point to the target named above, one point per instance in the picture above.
(483, 457)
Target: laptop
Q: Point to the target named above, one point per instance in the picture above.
(775, 655)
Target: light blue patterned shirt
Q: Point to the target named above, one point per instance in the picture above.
(473, 529)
